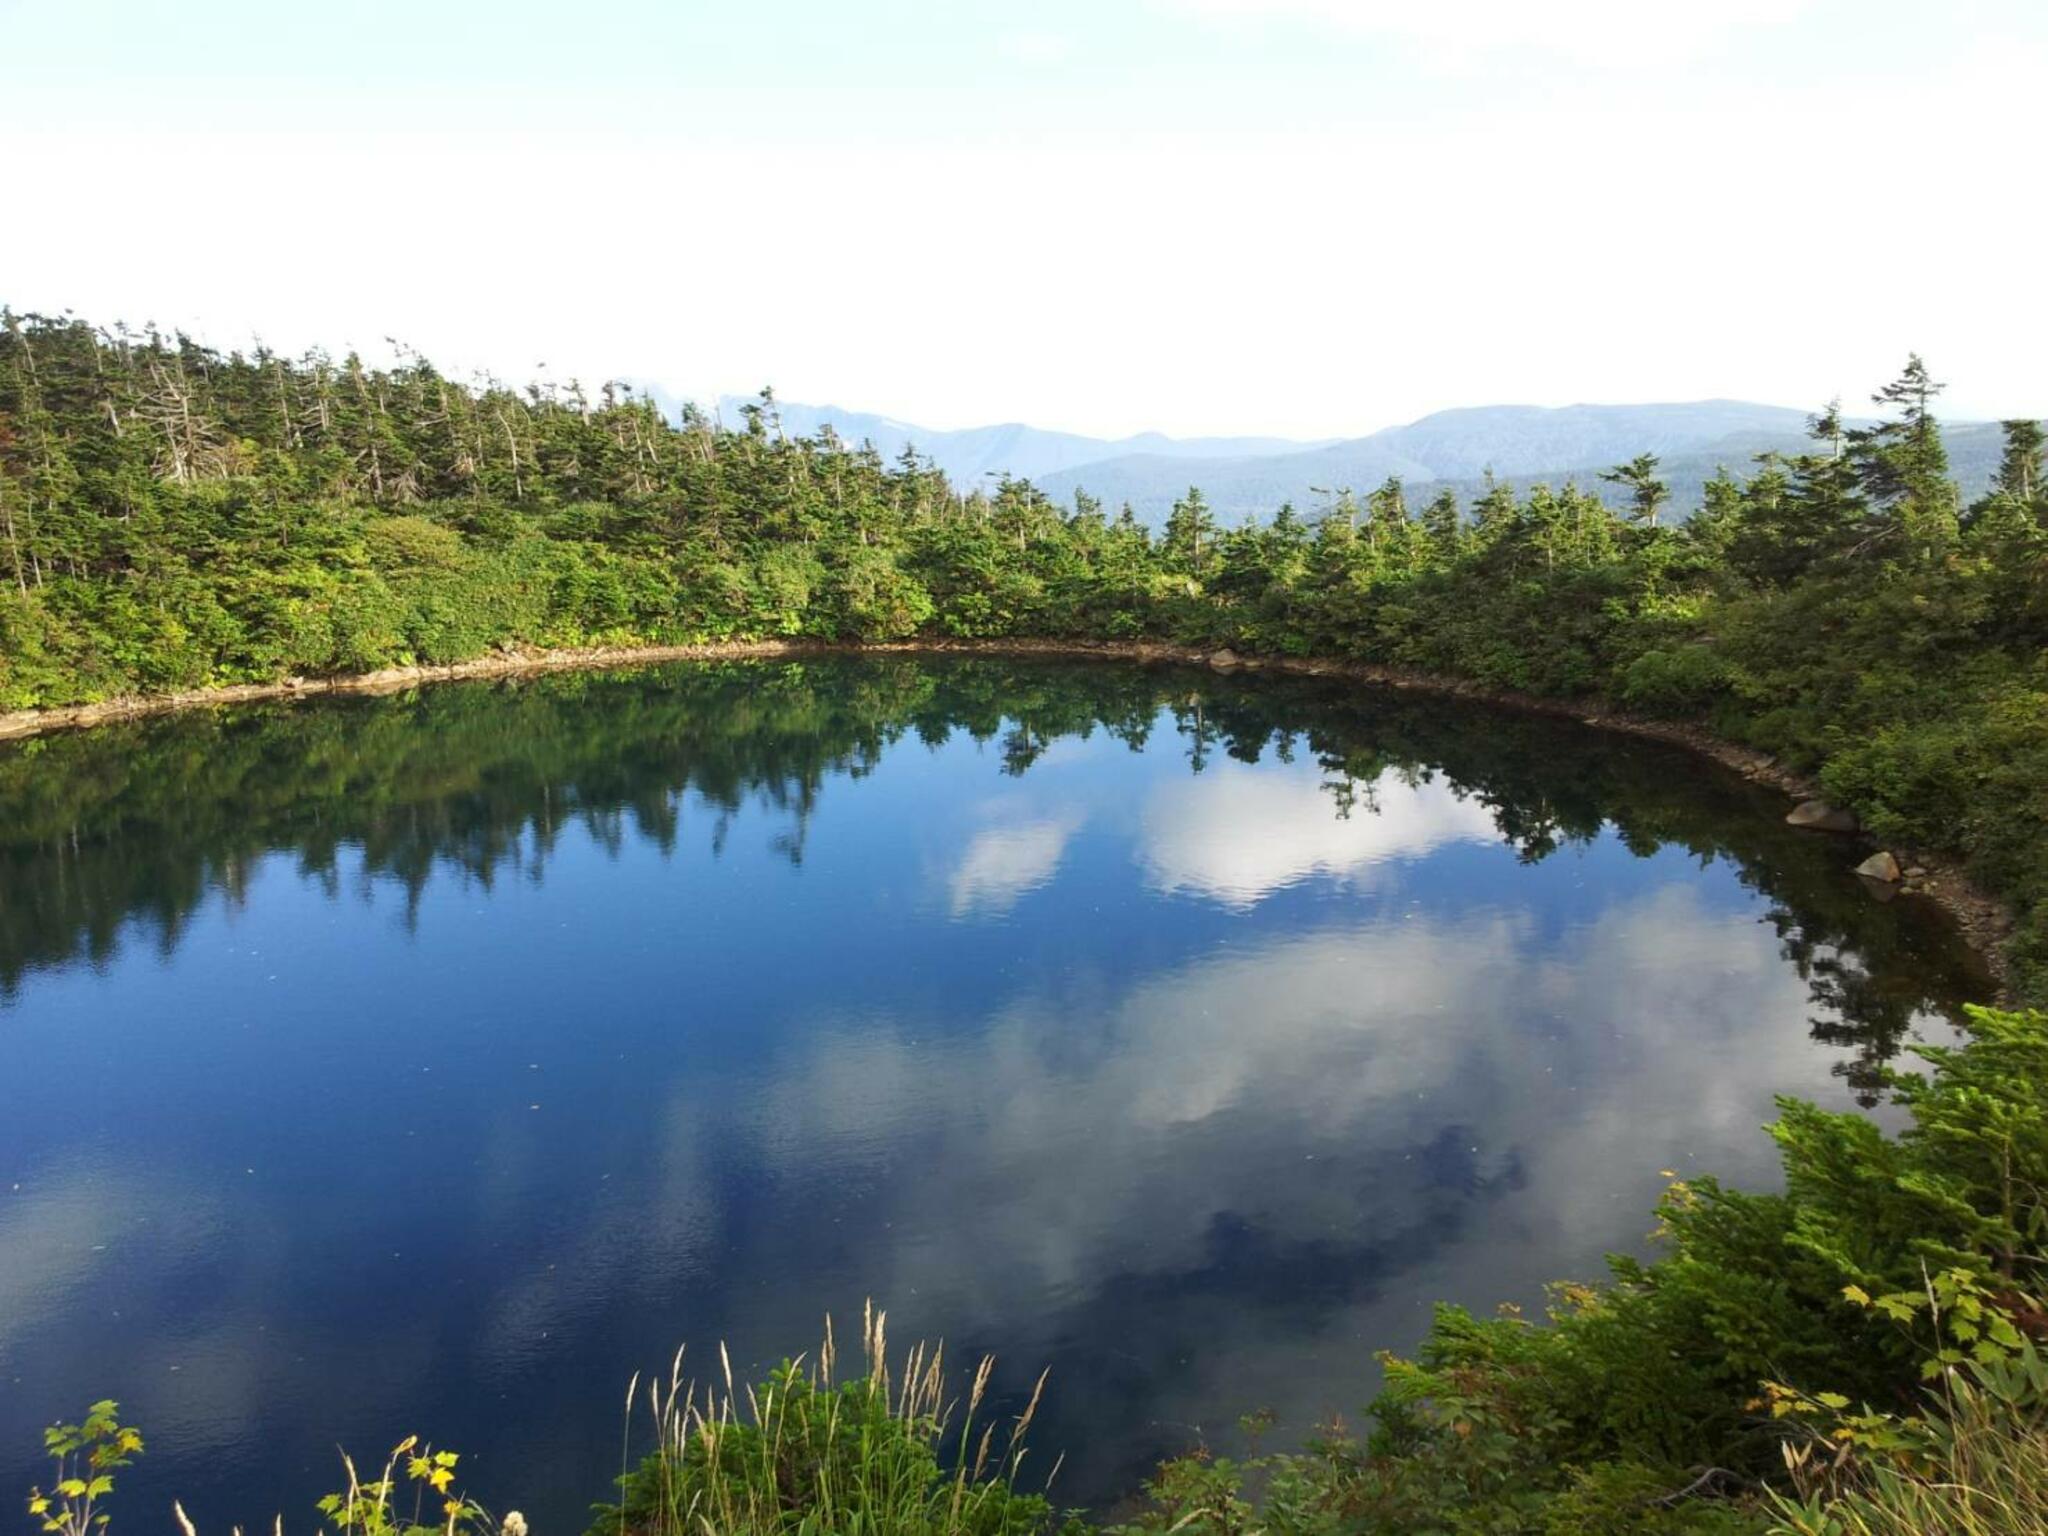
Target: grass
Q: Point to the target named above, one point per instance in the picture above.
(1976, 1467)
(804, 1452)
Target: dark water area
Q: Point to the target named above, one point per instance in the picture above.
(431, 1063)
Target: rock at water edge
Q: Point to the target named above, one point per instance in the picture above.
(1821, 817)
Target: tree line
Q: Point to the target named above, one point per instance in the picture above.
(174, 517)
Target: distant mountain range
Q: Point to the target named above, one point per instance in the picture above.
(1521, 444)
(1973, 451)
(1030, 453)
(1514, 441)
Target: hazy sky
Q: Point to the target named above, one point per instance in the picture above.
(1310, 217)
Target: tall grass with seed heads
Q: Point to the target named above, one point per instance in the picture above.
(888, 1451)
(1975, 1466)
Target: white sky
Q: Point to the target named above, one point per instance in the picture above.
(1307, 217)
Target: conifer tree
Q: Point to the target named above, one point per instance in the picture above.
(1904, 466)
(1190, 533)
(1646, 493)
(2019, 465)
(1443, 522)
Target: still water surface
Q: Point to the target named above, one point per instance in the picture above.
(434, 1062)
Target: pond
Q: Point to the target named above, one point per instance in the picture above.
(430, 1063)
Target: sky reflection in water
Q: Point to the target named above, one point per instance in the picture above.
(433, 1063)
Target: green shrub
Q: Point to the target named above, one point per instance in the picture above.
(1685, 680)
(802, 1452)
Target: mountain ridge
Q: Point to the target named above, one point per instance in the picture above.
(970, 454)
(1455, 447)
(1459, 444)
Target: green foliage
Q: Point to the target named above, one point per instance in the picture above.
(1684, 680)
(380, 1507)
(802, 1453)
(1974, 1462)
(87, 1454)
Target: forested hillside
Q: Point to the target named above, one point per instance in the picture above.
(173, 517)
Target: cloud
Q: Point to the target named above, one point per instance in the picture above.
(1236, 834)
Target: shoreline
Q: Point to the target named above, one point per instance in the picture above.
(1983, 920)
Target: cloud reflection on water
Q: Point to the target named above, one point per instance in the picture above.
(1237, 833)
(1003, 863)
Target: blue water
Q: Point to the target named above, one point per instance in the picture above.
(432, 1063)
